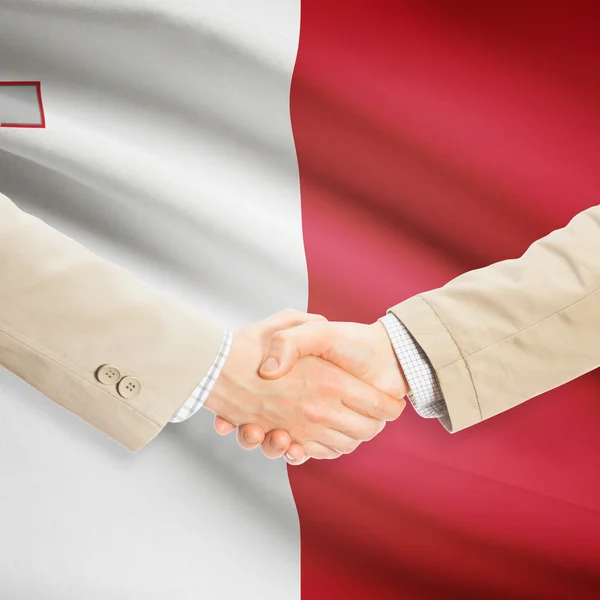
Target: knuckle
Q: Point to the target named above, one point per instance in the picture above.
(279, 438)
(309, 449)
(279, 336)
(328, 383)
(326, 453)
(395, 409)
(372, 430)
(376, 407)
(289, 313)
(377, 428)
(316, 317)
(315, 412)
(319, 451)
(349, 446)
(268, 453)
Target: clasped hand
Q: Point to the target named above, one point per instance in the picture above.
(301, 386)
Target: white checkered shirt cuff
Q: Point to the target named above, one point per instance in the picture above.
(200, 394)
(425, 392)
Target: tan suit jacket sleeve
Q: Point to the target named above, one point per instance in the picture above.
(500, 335)
(64, 313)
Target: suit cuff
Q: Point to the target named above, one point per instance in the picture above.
(425, 393)
(200, 394)
(446, 358)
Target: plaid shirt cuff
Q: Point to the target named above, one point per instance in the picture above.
(200, 394)
(425, 392)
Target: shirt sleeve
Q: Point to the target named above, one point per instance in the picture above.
(425, 392)
(200, 394)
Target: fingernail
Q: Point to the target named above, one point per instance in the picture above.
(270, 365)
(249, 438)
(289, 457)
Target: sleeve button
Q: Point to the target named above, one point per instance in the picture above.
(107, 375)
(129, 387)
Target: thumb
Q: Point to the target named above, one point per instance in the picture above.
(289, 345)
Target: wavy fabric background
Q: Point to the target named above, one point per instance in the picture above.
(434, 138)
(169, 151)
(431, 138)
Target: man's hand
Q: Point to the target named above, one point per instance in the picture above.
(326, 410)
(364, 351)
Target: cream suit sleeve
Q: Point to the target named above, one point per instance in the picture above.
(503, 334)
(65, 314)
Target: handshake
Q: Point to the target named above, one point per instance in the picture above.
(303, 387)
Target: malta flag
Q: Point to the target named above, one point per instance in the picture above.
(340, 157)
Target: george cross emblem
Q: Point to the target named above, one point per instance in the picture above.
(21, 104)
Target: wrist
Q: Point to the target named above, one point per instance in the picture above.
(231, 396)
(387, 359)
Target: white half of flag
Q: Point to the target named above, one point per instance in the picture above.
(168, 127)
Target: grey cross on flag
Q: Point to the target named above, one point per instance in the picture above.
(21, 104)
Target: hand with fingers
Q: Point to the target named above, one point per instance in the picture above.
(363, 351)
(324, 409)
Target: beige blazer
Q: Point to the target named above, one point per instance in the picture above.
(93, 338)
(503, 334)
